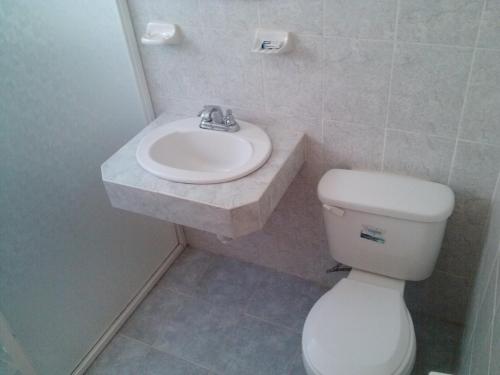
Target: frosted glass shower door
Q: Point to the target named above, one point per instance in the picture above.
(69, 262)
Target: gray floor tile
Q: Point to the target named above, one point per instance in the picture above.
(229, 281)
(125, 356)
(186, 274)
(297, 366)
(437, 343)
(159, 363)
(284, 299)
(260, 348)
(122, 356)
(197, 332)
(153, 313)
(216, 313)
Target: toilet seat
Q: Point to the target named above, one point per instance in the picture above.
(359, 329)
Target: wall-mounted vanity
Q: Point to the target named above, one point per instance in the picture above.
(231, 209)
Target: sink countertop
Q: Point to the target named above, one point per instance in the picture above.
(232, 209)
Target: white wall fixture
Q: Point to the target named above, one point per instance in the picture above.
(271, 41)
(158, 33)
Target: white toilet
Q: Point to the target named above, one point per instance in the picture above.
(389, 229)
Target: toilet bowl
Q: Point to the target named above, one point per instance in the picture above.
(389, 229)
(359, 328)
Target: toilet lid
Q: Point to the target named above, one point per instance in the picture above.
(357, 329)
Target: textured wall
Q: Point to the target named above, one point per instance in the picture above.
(408, 86)
(481, 342)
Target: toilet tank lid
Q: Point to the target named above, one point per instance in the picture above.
(386, 194)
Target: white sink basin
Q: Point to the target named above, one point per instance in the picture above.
(182, 152)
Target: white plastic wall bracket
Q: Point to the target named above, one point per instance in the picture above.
(158, 33)
(334, 210)
(271, 41)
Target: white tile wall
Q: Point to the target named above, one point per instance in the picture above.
(369, 19)
(296, 77)
(482, 111)
(299, 16)
(452, 22)
(490, 27)
(357, 76)
(343, 142)
(428, 86)
(421, 155)
(407, 86)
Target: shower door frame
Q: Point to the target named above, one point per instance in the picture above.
(135, 58)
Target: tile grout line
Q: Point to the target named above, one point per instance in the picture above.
(466, 94)
(242, 313)
(261, 65)
(391, 76)
(354, 124)
(332, 36)
(152, 347)
(290, 330)
(406, 42)
(249, 299)
(384, 145)
(323, 165)
(274, 324)
(463, 140)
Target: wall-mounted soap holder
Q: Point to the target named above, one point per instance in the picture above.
(158, 33)
(272, 41)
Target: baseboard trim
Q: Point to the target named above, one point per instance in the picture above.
(127, 311)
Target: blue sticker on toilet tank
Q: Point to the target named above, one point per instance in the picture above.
(372, 234)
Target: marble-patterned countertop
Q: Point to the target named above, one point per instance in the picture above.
(231, 209)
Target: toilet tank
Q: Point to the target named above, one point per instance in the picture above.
(384, 223)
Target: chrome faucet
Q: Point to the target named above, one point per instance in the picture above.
(212, 118)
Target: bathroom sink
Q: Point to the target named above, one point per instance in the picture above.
(182, 152)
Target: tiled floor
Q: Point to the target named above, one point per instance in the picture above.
(215, 315)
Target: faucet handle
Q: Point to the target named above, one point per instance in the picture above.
(229, 119)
